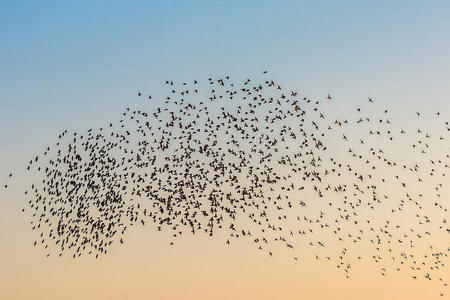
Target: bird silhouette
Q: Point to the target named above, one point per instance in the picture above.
(254, 161)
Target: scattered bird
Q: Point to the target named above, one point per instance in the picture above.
(218, 152)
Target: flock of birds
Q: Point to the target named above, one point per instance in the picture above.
(251, 161)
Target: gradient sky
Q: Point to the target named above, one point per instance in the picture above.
(77, 64)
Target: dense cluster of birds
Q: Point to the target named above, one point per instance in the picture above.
(253, 161)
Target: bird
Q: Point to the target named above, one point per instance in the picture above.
(251, 160)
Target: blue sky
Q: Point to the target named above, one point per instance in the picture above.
(76, 64)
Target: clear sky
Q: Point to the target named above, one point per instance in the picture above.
(77, 64)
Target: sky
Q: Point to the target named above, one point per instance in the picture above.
(77, 64)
